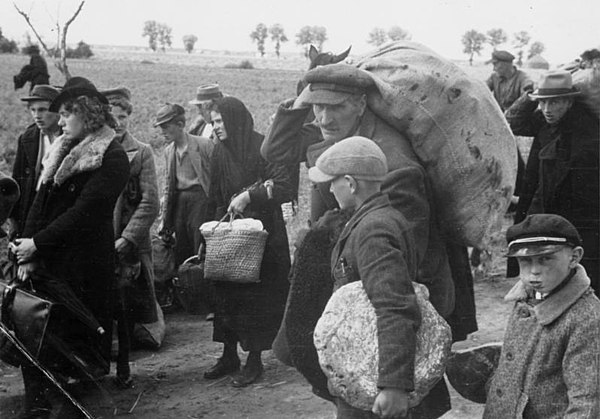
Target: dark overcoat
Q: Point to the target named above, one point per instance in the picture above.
(71, 219)
(562, 175)
(24, 172)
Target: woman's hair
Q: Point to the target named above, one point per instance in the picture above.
(94, 113)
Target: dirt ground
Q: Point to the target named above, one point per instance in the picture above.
(169, 383)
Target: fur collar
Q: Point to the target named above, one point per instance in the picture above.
(69, 157)
(556, 304)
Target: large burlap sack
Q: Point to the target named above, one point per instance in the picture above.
(588, 82)
(346, 340)
(456, 129)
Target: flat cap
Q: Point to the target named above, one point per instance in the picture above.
(43, 92)
(357, 156)
(334, 83)
(541, 234)
(501, 55)
(205, 93)
(167, 112)
(117, 93)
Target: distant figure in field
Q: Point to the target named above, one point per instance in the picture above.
(36, 72)
(205, 96)
(33, 149)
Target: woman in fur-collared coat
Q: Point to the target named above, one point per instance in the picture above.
(69, 232)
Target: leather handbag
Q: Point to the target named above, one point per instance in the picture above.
(27, 316)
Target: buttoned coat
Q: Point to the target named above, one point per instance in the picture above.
(377, 247)
(24, 173)
(71, 219)
(200, 151)
(135, 212)
(562, 174)
(550, 361)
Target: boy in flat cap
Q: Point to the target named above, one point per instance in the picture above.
(133, 216)
(205, 96)
(549, 366)
(562, 175)
(33, 147)
(376, 247)
(184, 201)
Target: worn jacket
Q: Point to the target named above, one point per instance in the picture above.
(137, 206)
(562, 175)
(377, 248)
(200, 150)
(550, 362)
(507, 90)
(290, 140)
(24, 173)
(71, 219)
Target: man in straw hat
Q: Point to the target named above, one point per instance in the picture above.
(205, 95)
(33, 147)
(562, 175)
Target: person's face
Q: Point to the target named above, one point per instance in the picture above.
(122, 118)
(502, 68)
(43, 118)
(218, 125)
(204, 109)
(170, 131)
(72, 124)
(342, 188)
(543, 273)
(554, 108)
(339, 121)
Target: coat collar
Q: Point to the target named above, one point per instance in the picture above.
(68, 157)
(556, 304)
(128, 142)
(378, 200)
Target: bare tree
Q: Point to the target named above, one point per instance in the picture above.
(61, 42)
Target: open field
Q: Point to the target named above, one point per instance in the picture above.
(169, 382)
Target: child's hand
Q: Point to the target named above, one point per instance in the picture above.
(391, 403)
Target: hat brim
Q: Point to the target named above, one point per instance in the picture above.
(322, 97)
(534, 250)
(162, 121)
(36, 99)
(535, 96)
(74, 93)
(199, 102)
(316, 175)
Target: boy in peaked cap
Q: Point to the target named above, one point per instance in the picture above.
(376, 247)
(549, 366)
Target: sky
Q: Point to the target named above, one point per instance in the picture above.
(566, 28)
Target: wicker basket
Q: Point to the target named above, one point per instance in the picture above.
(234, 255)
(192, 290)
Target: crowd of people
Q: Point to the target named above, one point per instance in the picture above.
(90, 196)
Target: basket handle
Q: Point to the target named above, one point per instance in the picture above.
(231, 216)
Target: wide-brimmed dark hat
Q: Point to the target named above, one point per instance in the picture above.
(557, 83)
(42, 92)
(75, 87)
(205, 93)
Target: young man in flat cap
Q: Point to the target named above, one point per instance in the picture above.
(185, 195)
(134, 213)
(549, 366)
(507, 82)
(376, 247)
(33, 147)
(562, 173)
(205, 95)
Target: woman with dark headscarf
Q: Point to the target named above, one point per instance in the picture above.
(243, 183)
(69, 236)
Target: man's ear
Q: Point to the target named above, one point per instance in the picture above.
(352, 183)
(576, 256)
